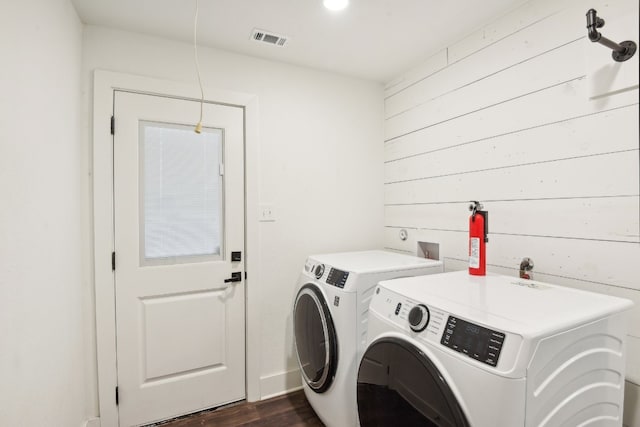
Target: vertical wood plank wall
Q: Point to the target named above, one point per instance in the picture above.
(504, 116)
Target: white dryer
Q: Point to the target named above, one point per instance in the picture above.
(493, 351)
(330, 323)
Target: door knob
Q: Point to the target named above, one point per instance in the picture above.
(235, 277)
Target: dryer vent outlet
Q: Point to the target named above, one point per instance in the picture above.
(268, 37)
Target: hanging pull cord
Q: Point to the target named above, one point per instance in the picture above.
(198, 128)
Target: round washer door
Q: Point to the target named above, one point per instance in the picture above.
(399, 385)
(315, 338)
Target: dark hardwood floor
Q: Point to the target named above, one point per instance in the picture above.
(288, 410)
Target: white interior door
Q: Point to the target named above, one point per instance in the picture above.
(179, 215)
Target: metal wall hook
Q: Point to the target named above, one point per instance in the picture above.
(621, 52)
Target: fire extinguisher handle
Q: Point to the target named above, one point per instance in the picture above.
(474, 207)
(485, 214)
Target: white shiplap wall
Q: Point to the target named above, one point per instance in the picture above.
(504, 116)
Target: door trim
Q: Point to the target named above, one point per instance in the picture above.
(104, 85)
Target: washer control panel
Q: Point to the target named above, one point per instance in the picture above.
(475, 341)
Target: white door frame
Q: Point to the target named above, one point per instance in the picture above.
(104, 85)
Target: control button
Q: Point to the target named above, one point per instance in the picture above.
(398, 307)
(319, 271)
(419, 318)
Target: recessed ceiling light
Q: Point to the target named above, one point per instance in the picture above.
(335, 4)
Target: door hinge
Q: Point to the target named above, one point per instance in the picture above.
(113, 125)
(117, 396)
(113, 261)
(245, 275)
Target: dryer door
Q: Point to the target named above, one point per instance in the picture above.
(315, 338)
(399, 385)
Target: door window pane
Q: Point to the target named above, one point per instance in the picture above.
(181, 193)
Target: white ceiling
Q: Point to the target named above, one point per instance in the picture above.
(371, 39)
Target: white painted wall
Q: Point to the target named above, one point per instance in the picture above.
(320, 163)
(506, 109)
(504, 116)
(42, 289)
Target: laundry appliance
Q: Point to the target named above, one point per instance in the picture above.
(454, 350)
(330, 323)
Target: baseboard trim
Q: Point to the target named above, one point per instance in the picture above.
(631, 415)
(286, 382)
(280, 383)
(92, 422)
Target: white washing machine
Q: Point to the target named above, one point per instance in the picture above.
(330, 323)
(493, 351)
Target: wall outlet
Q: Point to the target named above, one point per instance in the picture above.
(267, 213)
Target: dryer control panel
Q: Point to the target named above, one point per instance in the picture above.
(334, 277)
(337, 277)
(450, 332)
(475, 341)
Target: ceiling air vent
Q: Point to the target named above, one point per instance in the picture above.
(268, 37)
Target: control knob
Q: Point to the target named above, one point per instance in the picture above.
(419, 318)
(319, 271)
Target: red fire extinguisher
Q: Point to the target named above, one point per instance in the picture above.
(478, 230)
